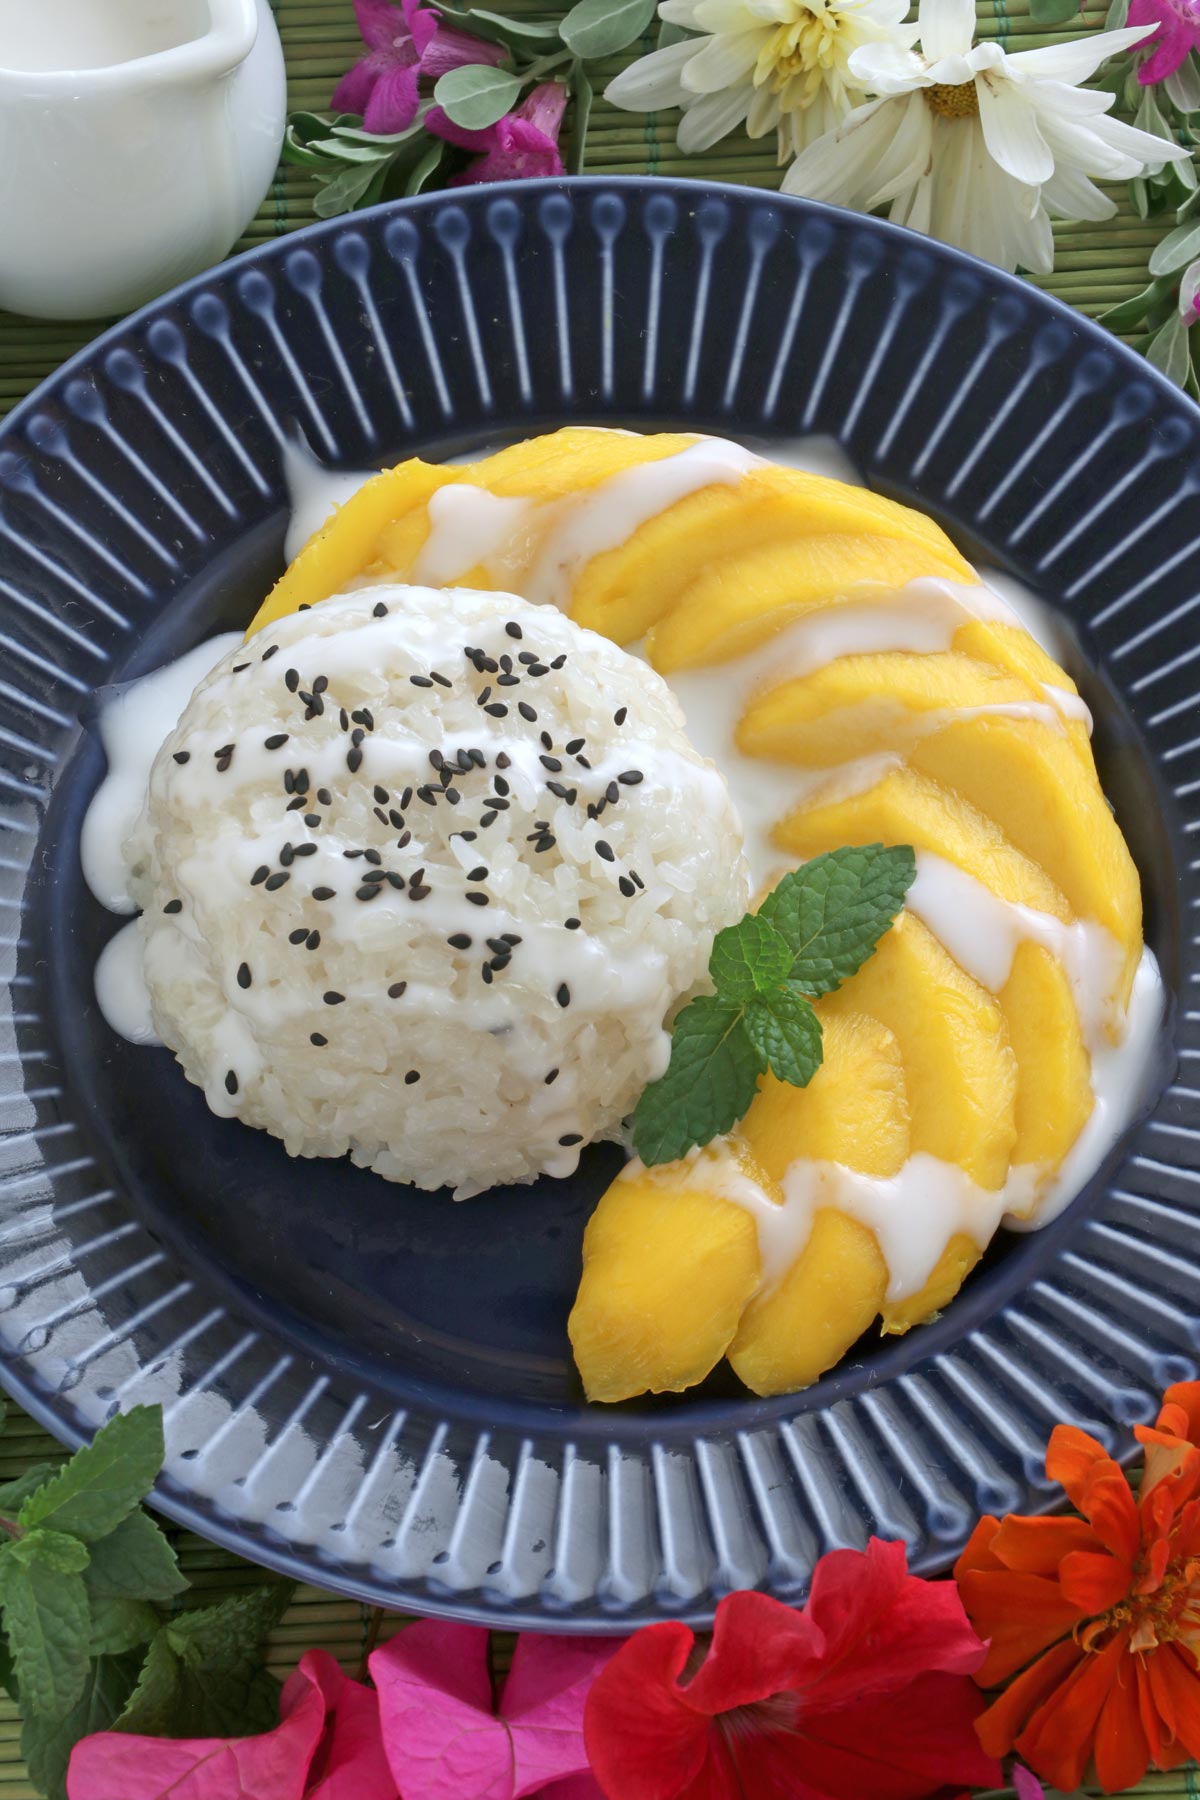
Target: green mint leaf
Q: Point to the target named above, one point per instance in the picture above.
(709, 1083)
(120, 1625)
(477, 96)
(596, 28)
(748, 958)
(204, 1675)
(53, 1548)
(104, 1481)
(786, 1033)
(134, 1562)
(46, 1744)
(8, 1677)
(13, 1494)
(835, 909)
(46, 1618)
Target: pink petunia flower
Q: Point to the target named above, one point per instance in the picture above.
(1179, 31)
(403, 43)
(522, 145)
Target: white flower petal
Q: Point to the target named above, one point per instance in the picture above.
(712, 117)
(679, 12)
(723, 61)
(839, 165)
(764, 113)
(653, 81)
(947, 27)
(1139, 146)
(716, 16)
(1070, 195)
(887, 69)
(909, 155)
(1010, 131)
(1080, 57)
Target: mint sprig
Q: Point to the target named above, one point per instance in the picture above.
(817, 927)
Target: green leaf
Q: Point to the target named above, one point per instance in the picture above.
(669, 34)
(787, 1034)
(119, 1625)
(1169, 351)
(1140, 197)
(104, 1481)
(13, 1494)
(134, 1562)
(46, 1618)
(343, 193)
(583, 94)
(476, 96)
(423, 170)
(495, 28)
(748, 958)
(46, 1744)
(709, 1083)
(53, 1548)
(595, 28)
(835, 909)
(1053, 12)
(1117, 14)
(8, 1678)
(1134, 310)
(204, 1675)
(1177, 250)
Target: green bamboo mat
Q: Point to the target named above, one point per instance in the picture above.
(1097, 265)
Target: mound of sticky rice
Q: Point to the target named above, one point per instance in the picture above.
(423, 873)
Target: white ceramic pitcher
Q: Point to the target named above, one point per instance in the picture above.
(137, 139)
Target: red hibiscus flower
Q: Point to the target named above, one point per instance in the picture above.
(868, 1690)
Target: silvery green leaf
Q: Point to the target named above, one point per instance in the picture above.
(1053, 12)
(1183, 85)
(477, 96)
(1134, 310)
(1177, 250)
(582, 94)
(1140, 197)
(669, 34)
(495, 28)
(595, 28)
(1169, 351)
(345, 191)
(428, 165)
(1116, 16)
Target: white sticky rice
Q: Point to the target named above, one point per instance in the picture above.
(350, 1022)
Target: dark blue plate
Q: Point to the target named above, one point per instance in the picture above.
(363, 1385)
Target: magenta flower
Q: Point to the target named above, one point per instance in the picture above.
(521, 145)
(1179, 32)
(404, 43)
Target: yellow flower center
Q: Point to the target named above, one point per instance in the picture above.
(1168, 1613)
(800, 51)
(952, 100)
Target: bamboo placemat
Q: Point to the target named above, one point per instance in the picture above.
(1096, 266)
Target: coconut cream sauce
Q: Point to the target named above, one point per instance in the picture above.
(918, 1211)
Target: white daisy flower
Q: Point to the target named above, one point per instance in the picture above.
(977, 147)
(774, 65)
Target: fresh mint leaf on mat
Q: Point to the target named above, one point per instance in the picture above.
(46, 1744)
(134, 1562)
(203, 1675)
(120, 1625)
(46, 1620)
(812, 932)
(104, 1481)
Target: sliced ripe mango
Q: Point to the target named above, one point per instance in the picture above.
(1027, 778)
(959, 1070)
(1054, 1091)
(667, 1270)
(1012, 649)
(950, 1271)
(860, 704)
(853, 1111)
(907, 808)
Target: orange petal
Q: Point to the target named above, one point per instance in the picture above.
(1071, 1458)
(1038, 1546)
(1185, 1395)
(1174, 1684)
(1109, 1503)
(1005, 1719)
(977, 1554)
(1019, 1615)
(1057, 1742)
(1093, 1583)
(1121, 1751)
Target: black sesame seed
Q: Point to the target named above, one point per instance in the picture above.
(627, 887)
(324, 893)
(508, 681)
(357, 736)
(244, 976)
(320, 684)
(312, 820)
(315, 1037)
(380, 815)
(570, 1139)
(395, 880)
(545, 843)
(498, 945)
(453, 796)
(287, 856)
(501, 786)
(526, 711)
(484, 695)
(375, 876)
(479, 874)
(442, 680)
(428, 795)
(269, 652)
(497, 710)
(499, 802)
(563, 996)
(466, 762)
(351, 854)
(173, 906)
(552, 763)
(547, 741)
(510, 937)
(506, 664)
(289, 781)
(421, 681)
(491, 665)
(374, 857)
(381, 794)
(324, 796)
(366, 893)
(477, 758)
(182, 756)
(313, 703)
(406, 799)
(631, 777)
(513, 629)
(478, 899)
(486, 819)
(636, 878)
(558, 662)
(333, 998)
(379, 612)
(412, 1076)
(459, 941)
(304, 850)
(396, 989)
(551, 1078)
(238, 667)
(504, 760)
(605, 850)
(276, 741)
(354, 760)
(291, 680)
(298, 936)
(274, 882)
(231, 1082)
(468, 837)
(573, 924)
(304, 606)
(436, 759)
(313, 941)
(499, 963)
(583, 762)
(620, 716)
(526, 657)
(223, 763)
(296, 803)
(396, 819)
(344, 719)
(538, 669)
(574, 745)
(260, 874)
(486, 972)
(403, 841)
(558, 790)
(612, 793)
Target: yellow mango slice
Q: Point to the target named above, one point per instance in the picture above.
(907, 808)
(950, 1271)
(667, 1269)
(853, 1111)
(959, 1070)
(1026, 777)
(860, 704)
(1054, 1091)
(1010, 647)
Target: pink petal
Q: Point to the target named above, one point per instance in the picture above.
(111, 1765)
(543, 1703)
(454, 49)
(380, 24)
(544, 107)
(350, 1762)
(443, 126)
(422, 23)
(520, 152)
(1025, 1785)
(435, 1706)
(1171, 42)
(354, 89)
(393, 104)
(575, 1787)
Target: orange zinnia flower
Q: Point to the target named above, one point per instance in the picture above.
(1098, 1618)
